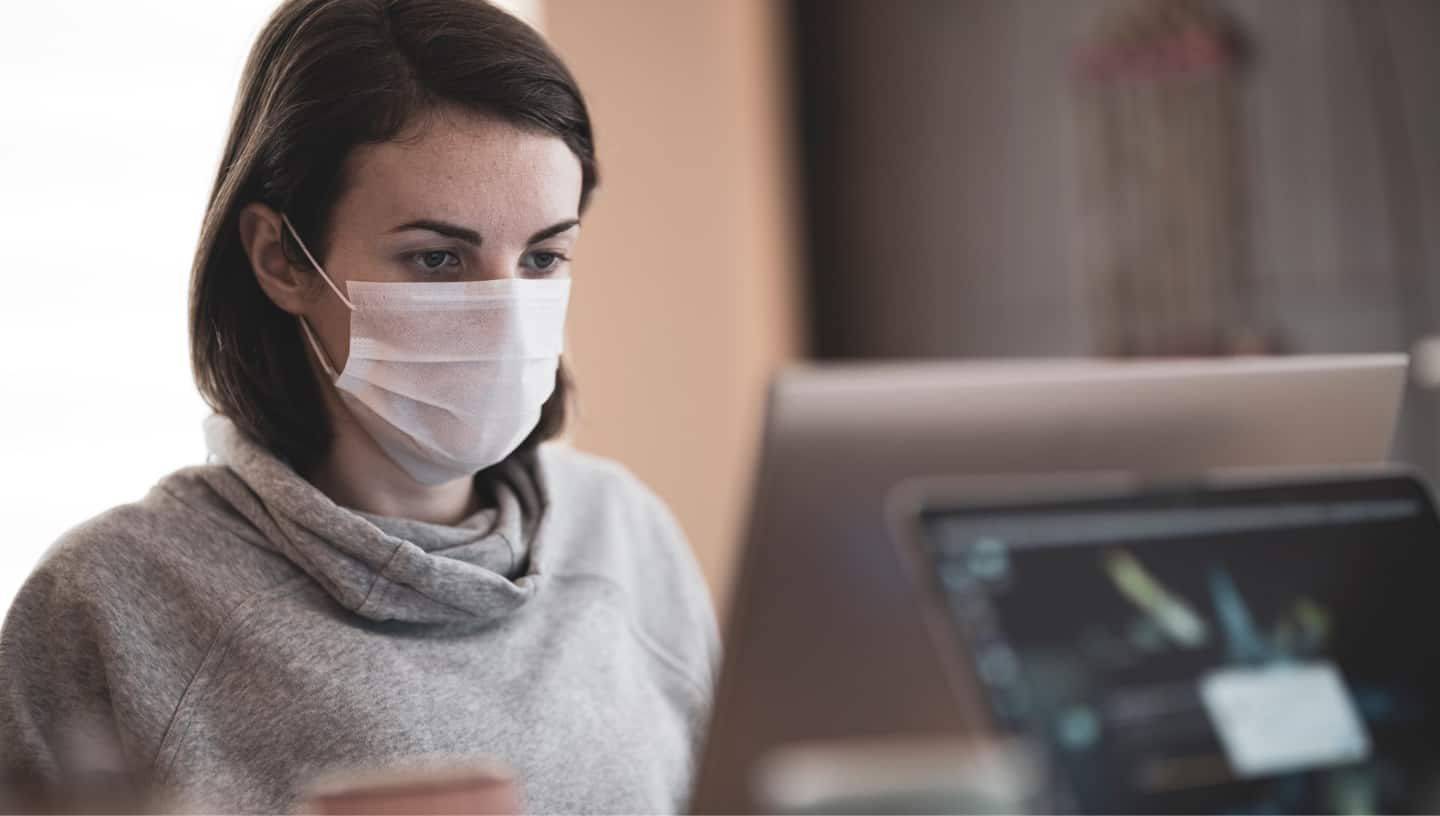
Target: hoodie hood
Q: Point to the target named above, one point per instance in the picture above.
(378, 568)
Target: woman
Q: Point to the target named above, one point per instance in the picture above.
(381, 561)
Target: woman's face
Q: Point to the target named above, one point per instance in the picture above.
(462, 198)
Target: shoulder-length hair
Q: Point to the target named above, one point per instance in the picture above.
(323, 77)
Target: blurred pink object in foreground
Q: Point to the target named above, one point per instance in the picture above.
(449, 787)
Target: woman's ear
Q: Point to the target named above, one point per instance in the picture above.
(288, 286)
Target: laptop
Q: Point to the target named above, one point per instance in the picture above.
(1230, 647)
(825, 637)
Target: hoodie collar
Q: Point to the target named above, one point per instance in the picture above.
(377, 567)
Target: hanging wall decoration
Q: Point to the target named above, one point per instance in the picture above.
(1161, 224)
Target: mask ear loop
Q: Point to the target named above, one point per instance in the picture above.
(305, 324)
(319, 352)
(315, 263)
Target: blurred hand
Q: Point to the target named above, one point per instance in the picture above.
(450, 788)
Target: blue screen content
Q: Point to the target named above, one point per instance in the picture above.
(1260, 651)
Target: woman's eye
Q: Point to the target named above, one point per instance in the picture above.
(545, 261)
(436, 260)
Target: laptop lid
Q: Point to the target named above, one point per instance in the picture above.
(824, 637)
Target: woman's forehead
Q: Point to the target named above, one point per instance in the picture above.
(466, 169)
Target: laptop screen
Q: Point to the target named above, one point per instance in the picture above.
(1257, 650)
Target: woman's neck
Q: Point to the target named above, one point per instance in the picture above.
(357, 474)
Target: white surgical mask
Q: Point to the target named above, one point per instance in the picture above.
(448, 377)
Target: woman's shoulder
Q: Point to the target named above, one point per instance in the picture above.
(598, 494)
(118, 617)
(172, 544)
(568, 468)
(613, 526)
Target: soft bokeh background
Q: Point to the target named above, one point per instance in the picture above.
(782, 179)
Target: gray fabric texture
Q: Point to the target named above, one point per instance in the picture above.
(238, 633)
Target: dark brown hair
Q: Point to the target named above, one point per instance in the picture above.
(323, 77)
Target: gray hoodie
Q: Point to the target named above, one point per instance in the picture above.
(242, 634)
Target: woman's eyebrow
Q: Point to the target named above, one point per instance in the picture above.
(469, 236)
(555, 230)
(472, 237)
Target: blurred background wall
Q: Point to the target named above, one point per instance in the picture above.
(685, 282)
(941, 166)
(942, 151)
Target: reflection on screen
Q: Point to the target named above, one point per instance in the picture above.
(1257, 657)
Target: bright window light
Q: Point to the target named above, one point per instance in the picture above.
(112, 125)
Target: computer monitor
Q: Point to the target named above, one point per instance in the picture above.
(1215, 648)
(825, 636)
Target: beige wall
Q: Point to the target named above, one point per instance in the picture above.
(686, 271)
